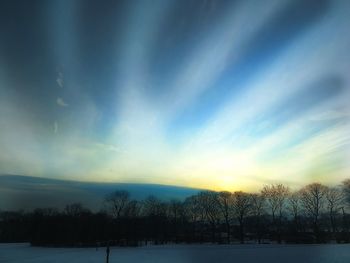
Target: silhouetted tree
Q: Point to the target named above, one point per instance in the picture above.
(257, 211)
(346, 189)
(152, 206)
(208, 201)
(241, 205)
(132, 209)
(194, 214)
(294, 206)
(335, 200)
(75, 210)
(155, 212)
(117, 202)
(345, 219)
(276, 195)
(225, 206)
(176, 212)
(313, 200)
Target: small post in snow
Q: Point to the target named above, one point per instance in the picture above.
(107, 253)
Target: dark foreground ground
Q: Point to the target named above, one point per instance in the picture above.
(181, 253)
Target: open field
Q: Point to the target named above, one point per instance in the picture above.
(24, 253)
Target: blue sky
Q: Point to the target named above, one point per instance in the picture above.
(215, 94)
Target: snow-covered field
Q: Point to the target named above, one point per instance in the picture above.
(181, 253)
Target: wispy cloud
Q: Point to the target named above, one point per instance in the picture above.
(61, 102)
(55, 127)
(59, 80)
(331, 115)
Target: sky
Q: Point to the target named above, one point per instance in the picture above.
(223, 95)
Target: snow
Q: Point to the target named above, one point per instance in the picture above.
(331, 253)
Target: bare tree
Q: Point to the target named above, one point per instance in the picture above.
(346, 190)
(258, 204)
(241, 206)
(225, 206)
(192, 209)
(132, 209)
(209, 204)
(175, 210)
(312, 198)
(117, 202)
(335, 199)
(152, 206)
(75, 209)
(257, 210)
(194, 212)
(276, 195)
(294, 206)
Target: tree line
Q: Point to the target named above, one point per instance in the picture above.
(313, 214)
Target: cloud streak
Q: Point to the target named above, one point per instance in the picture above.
(61, 102)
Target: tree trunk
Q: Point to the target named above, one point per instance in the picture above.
(332, 219)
